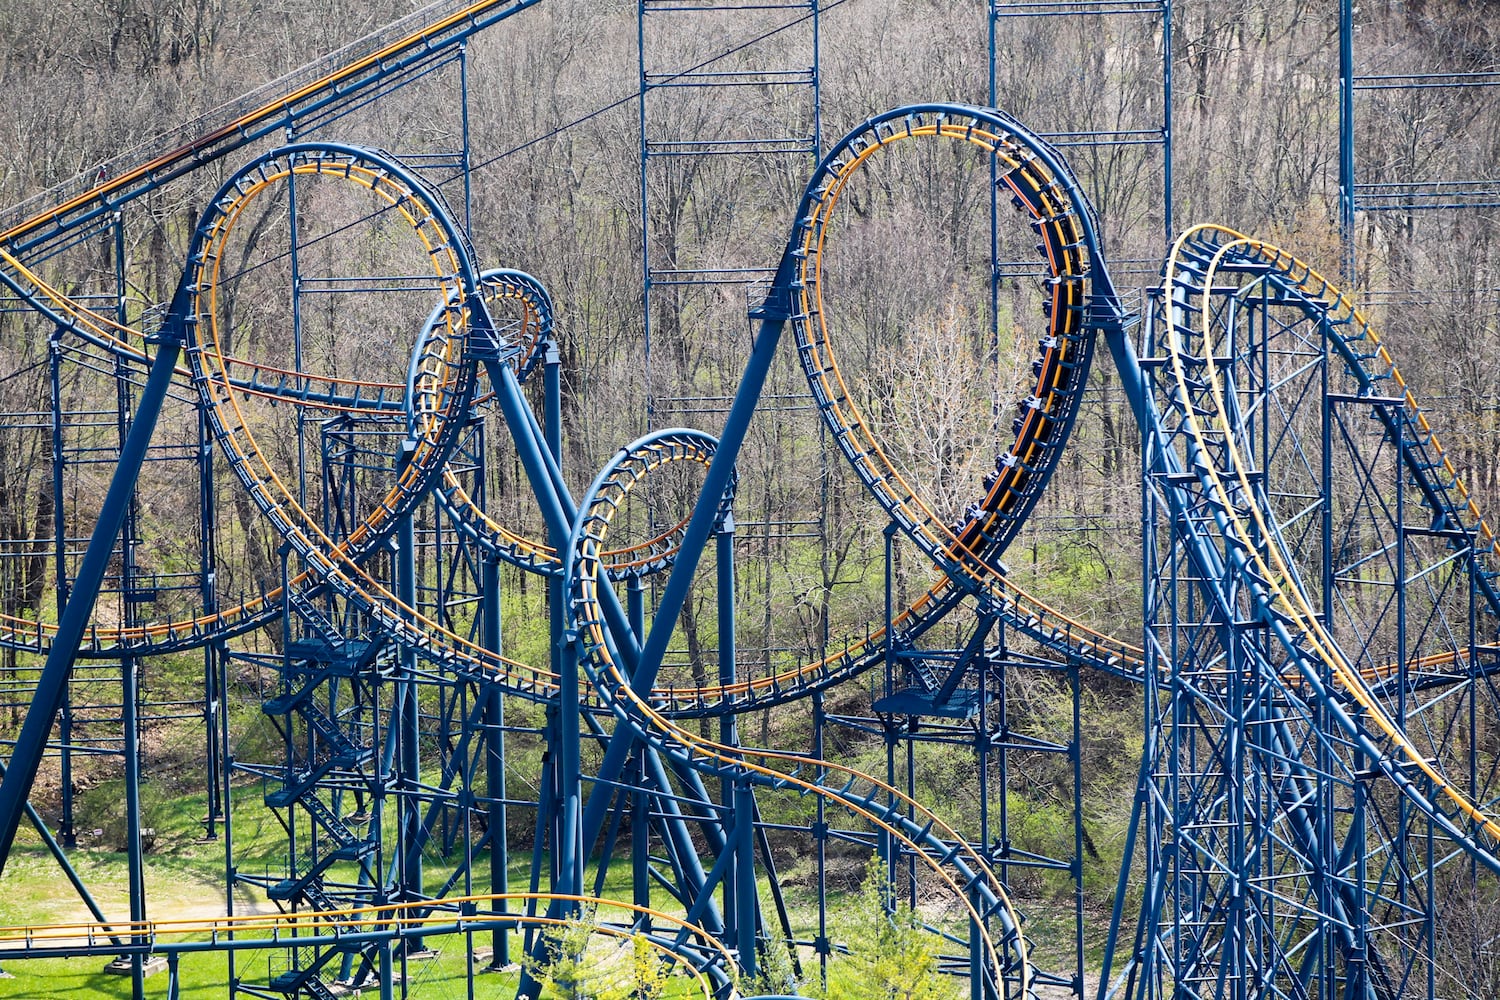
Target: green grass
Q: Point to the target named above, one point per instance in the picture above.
(185, 879)
(31, 890)
(200, 976)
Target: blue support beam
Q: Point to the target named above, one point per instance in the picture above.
(1217, 596)
(339, 87)
(408, 723)
(31, 744)
(494, 764)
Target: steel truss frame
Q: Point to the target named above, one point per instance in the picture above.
(1316, 789)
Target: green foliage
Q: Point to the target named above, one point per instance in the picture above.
(890, 955)
(581, 964)
(104, 804)
(564, 971)
(775, 977)
(648, 974)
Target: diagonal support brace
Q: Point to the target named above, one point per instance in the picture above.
(15, 787)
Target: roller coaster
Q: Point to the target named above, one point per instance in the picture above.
(1316, 807)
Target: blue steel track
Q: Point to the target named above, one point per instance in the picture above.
(1318, 586)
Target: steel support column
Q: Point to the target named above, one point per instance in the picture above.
(15, 787)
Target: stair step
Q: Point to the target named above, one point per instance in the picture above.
(295, 981)
(289, 888)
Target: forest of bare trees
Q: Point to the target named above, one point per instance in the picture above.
(555, 126)
(1255, 146)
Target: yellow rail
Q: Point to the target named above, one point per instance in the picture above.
(717, 755)
(277, 929)
(1268, 560)
(260, 113)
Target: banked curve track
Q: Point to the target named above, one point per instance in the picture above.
(442, 384)
(1301, 506)
(1217, 455)
(444, 381)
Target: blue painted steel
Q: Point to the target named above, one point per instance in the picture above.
(728, 723)
(494, 765)
(1230, 589)
(136, 857)
(1346, 134)
(1169, 223)
(746, 896)
(773, 315)
(1212, 592)
(577, 829)
(409, 885)
(60, 856)
(15, 787)
(341, 87)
